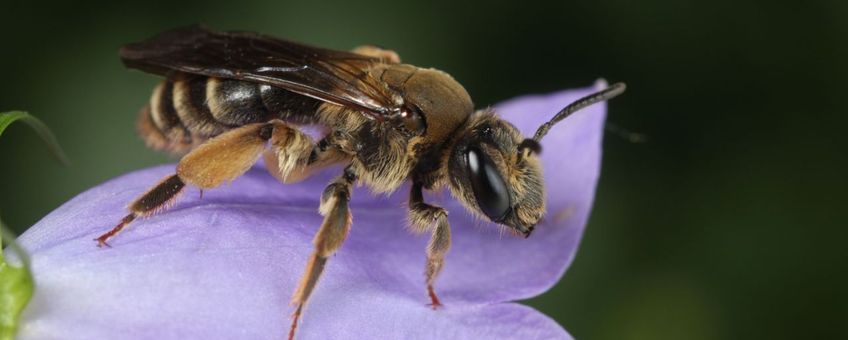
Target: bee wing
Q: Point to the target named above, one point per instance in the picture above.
(332, 76)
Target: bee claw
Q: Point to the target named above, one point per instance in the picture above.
(528, 232)
(434, 300)
(102, 242)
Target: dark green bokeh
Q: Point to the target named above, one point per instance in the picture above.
(728, 223)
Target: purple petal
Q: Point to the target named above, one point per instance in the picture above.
(224, 266)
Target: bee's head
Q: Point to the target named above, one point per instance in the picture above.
(490, 176)
(496, 172)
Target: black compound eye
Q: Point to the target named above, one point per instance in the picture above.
(489, 188)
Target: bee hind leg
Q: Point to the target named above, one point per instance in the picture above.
(220, 159)
(331, 234)
(425, 217)
(153, 200)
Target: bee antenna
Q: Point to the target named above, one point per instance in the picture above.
(529, 144)
(606, 94)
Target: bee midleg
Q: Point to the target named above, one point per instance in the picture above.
(425, 217)
(293, 156)
(333, 231)
(220, 159)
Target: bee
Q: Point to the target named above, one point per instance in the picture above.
(229, 98)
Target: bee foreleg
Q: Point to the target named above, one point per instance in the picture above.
(425, 217)
(333, 231)
(220, 159)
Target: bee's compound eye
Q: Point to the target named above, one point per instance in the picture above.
(488, 185)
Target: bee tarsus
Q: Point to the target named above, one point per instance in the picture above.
(331, 234)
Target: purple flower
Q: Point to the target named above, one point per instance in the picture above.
(225, 266)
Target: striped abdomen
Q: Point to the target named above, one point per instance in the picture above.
(185, 111)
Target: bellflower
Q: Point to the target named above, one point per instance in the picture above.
(224, 266)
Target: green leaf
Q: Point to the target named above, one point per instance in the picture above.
(7, 118)
(16, 287)
(16, 283)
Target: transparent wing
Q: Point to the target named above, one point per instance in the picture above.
(332, 76)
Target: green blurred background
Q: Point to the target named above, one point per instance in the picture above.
(728, 223)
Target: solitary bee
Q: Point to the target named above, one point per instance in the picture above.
(230, 97)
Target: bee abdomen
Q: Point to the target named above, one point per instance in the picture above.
(238, 102)
(235, 102)
(187, 110)
(189, 100)
(290, 106)
(177, 117)
(159, 124)
(155, 138)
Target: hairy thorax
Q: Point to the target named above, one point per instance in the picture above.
(381, 155)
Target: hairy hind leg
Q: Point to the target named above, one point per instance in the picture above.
(333, 231)
(220, 159)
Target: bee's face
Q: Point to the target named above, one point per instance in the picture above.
(491, 178)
